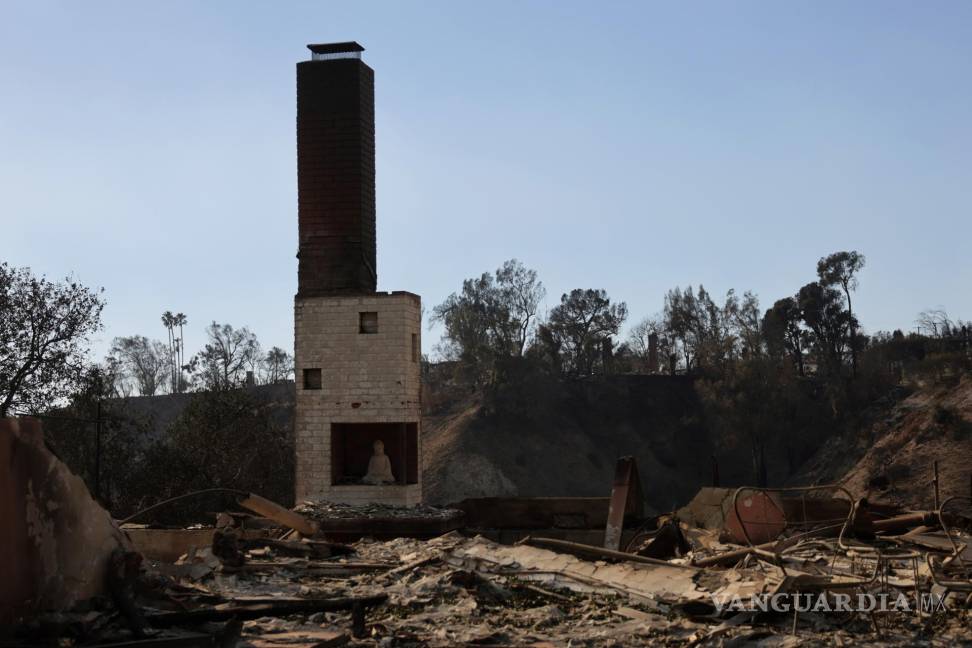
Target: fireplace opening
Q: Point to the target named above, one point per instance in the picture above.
(352, 445)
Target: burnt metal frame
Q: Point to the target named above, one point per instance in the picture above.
(957, 550)
(626, 494)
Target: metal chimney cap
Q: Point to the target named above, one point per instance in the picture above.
(348, 47)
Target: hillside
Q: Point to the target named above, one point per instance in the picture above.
(549, 439)
(892, 458)
(160, 412)
(565, 440)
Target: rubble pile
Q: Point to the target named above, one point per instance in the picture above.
(324, 510)
(459, 590)
(799, 566)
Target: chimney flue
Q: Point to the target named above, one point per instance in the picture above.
(336, 172)
(331, 51)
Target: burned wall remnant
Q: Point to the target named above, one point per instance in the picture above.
(356, 351)
(55, 540)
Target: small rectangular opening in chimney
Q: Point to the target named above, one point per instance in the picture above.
(312, 379)
(368, 322)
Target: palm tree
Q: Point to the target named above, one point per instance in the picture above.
(169, 321)
(180, 320)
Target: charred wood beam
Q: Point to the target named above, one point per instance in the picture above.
(279, 514)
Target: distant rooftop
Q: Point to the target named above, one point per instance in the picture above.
(330, 51)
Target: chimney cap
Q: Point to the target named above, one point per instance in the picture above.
(335, 48)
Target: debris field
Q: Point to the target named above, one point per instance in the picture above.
(746, 566)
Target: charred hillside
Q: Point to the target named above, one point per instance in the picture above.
(546, 437)
(893, 456)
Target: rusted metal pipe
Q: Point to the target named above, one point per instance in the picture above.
(905, 521)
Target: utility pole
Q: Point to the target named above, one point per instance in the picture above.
(97, 471)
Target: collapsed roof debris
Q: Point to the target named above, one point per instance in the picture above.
(281, 579)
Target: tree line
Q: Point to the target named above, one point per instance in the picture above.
(45, 332)
(497, 315)
(45, 327)
(137, 364)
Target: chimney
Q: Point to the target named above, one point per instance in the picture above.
(653, 353)
(356, 351)
(336, 172)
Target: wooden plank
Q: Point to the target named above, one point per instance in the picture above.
(279, 514)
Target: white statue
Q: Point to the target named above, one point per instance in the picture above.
(379, 468)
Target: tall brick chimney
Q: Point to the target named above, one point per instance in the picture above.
(357, 352)
(336, 172)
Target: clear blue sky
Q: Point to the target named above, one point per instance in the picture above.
(149, 148)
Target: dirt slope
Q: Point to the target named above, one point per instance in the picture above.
(893, 459)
